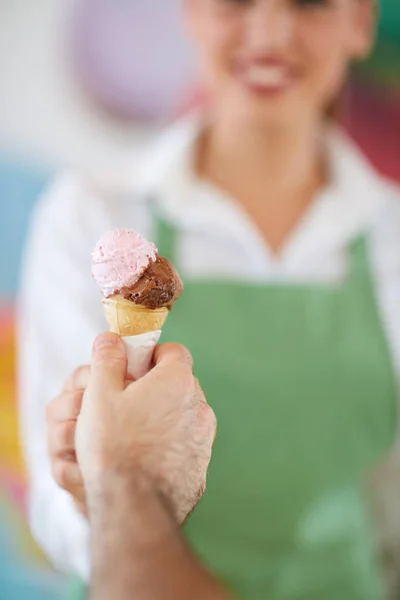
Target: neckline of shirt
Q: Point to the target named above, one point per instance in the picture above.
(341, 211)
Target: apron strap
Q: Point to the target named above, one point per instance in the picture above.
(360, 268)
(166, 241)
(165, 237)
(361, 272)
(359, 253)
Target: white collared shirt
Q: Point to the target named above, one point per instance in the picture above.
(61, 312)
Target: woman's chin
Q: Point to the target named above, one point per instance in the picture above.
(271, 115)
(286, 107)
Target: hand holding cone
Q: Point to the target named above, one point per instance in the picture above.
(139, 288)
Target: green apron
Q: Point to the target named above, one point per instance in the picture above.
(301, 381)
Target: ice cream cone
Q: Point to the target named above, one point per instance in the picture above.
(127, 319)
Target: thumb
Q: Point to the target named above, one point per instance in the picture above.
(109, 364)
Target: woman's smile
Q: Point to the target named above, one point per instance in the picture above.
(266, 75)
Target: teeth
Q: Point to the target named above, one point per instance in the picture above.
(267, 76)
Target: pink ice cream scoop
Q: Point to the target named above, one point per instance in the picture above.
(120, 259)
(125, 263)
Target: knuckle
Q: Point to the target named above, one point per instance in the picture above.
(199, 391)
(61, 473)
(64, 433)
(210, 420)
(76, 404)
(70, 456)
(181, 354)
(110, 355)
(80, 377)
(212, 417)
(65, 406)
(188, 382)
(106, 340)
(108, 345)
(186, 356)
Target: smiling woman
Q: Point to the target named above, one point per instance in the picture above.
(278, 61)
(287, 243)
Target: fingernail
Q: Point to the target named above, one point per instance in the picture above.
(106, 340)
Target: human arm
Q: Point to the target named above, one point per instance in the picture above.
(144, 452)
(58, 319)
(137, 550)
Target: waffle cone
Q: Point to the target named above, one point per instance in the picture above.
(127, 319)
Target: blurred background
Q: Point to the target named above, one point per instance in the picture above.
(84, 85)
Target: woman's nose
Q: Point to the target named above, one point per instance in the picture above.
(270, 26)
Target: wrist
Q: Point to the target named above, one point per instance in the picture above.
(117, 495)
(105, 481)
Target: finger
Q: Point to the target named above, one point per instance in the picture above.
(80, 500)
(171, 377)
(167, 353)
(70, 456)
(109, 364)
(78, 380)
(66, 407)
(67, 475)
(61, 440)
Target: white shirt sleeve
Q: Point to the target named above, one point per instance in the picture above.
(386, 268)
(60, 314)
(385, 484)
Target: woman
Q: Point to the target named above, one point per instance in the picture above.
(287, 241)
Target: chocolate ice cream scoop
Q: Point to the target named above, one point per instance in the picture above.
(159, 286)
